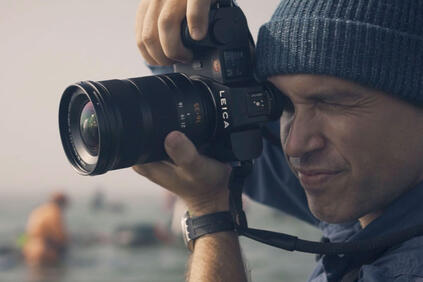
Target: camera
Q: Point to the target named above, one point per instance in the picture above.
(215, 100)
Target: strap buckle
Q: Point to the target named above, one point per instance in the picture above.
(236, 185)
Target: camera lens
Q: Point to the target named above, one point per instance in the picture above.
(107, 125)
(89, 128)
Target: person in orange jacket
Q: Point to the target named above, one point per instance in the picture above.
(46, 233)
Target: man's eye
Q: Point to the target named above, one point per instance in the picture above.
(331, 105)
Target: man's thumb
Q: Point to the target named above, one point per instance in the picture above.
(180, 149)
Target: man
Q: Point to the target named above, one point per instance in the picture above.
(352, 132)
(46, 234)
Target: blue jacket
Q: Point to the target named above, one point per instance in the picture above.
(273, 184)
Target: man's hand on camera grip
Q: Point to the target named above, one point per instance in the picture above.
(158, 28)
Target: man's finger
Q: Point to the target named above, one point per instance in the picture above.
(150, 34)
(169, 24)
(198, 18)
(161, 173)
(139, 23)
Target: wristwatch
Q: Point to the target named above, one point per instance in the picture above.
(195, 227)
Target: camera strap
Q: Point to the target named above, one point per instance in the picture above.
(287, 242)
(224, 3)
(236, 185)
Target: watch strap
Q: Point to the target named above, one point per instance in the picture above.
(195, 227)
(209, 223)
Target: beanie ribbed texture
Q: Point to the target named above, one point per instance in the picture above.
(377, 43)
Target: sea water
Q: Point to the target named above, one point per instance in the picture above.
(92, 257)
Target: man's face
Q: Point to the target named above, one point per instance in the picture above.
(354, 149)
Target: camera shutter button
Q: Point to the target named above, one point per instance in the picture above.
(223, 31)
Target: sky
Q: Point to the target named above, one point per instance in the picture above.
(47, 45)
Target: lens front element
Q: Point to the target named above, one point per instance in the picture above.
(89, 129)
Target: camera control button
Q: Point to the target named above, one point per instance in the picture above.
(257, 104)
(222, 32)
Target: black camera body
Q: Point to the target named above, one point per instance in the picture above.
(215, 100)
(225, 57)
(226, 54)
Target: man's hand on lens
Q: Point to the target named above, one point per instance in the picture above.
(200, 181)
(158, 28)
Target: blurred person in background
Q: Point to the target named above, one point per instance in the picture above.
(46, 235)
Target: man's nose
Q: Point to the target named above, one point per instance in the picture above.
(304, 135)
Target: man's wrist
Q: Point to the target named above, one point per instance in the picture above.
(217, 255)
(208, 205)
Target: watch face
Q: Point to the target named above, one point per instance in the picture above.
(185, 233)
(184, 226)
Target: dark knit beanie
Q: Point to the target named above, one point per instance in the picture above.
(377, 43)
